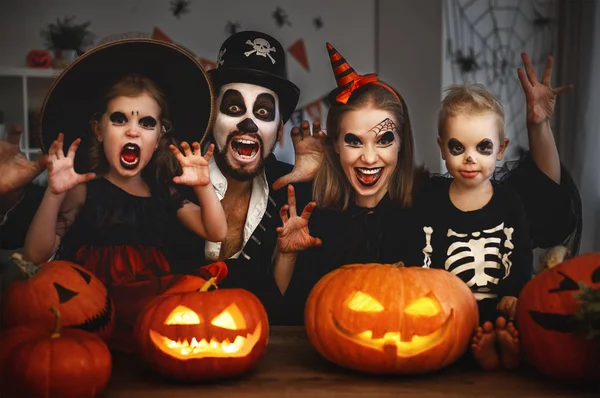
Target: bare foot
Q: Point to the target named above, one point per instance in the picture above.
(483, 347)
(508, 339)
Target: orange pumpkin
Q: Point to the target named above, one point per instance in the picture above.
(39, 59)
(382, 318)
(202, 335)
(547, 324)
(81, 298)
(61, 364)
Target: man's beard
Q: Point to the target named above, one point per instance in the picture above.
(243, 172)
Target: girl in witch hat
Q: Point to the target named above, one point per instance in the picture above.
(108, 206)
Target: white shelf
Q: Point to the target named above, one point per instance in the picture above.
(29, 72)
(27, 78)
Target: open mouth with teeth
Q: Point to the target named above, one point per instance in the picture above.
(100, 321)
(415, 346)
(130, 156)
(244, 149)
(194, 349)
(368, 176)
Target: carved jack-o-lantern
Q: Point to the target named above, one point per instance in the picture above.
(81, 298)
(39, 59)
(388, 319)
(203, 334)
(547, 325)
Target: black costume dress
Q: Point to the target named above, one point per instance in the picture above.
(490, 249)
(120, 238)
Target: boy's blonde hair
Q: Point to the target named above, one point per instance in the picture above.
(470, 99)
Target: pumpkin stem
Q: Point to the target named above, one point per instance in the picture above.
(211, 282)
(28, 269)
(56, 332)
(399, 264)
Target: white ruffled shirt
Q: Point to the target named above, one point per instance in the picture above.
(256, 210)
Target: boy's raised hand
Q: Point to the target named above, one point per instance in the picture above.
(540, 96)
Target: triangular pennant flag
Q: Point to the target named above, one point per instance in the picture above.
(158, 34)
(296, 117)
(298, 51)
(207, 64)
(314, 110)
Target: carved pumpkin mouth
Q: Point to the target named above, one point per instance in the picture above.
(563, 323)
(194, 349)
(100, 321)
(416, 345)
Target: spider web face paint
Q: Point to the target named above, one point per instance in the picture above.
(385, 126)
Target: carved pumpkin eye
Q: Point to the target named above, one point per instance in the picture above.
(596, 275)
(86, 277)
(425, 306)
(565, 285)
(64, 294)
(364, 303)
(182, 315)
(231, 318)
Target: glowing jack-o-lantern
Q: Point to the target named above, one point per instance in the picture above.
(80, 297)
(203, 334)
(548, 328)
(382, 318)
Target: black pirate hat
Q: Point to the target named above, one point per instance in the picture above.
(79, 90)
(256, 58)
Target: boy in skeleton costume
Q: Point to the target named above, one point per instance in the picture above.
(478, 229)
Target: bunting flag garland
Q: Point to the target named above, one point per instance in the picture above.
(298, 51)
(207, 64)
(297, 117)
(314, 110)
(158, 34)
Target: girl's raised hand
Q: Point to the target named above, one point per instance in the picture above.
(294, 235)
(194, 165)
(61, 171)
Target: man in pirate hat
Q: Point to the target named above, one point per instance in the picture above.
(253, 101)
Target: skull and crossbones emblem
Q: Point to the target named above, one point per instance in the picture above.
(261, 47)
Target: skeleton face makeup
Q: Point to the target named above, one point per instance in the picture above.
(129, 131)
(471, 146)
(368, 146)
(245, 129)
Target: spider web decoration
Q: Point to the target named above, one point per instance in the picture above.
(484, 42)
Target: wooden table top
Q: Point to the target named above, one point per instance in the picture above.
(292, 368)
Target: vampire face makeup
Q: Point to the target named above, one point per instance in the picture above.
(129, 131)
(471, 146)
(245, 129)
(368, 146)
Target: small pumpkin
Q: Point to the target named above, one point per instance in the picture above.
(382, 318)
(547, 320)
(70, 363)
(81, 298)
(39, 59)
(202, 335)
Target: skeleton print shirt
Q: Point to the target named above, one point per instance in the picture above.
(490, 249)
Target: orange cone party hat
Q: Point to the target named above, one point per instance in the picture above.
(347, 79)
